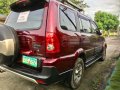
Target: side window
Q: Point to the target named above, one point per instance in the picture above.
(81, 28)
(67, 20)
(86, 26)
(71, 15)
(94, 27)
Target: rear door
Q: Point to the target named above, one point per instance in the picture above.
(68, 37)
(70, 40)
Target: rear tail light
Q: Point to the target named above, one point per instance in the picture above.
(52, 43)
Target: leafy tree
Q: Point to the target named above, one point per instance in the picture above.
(106, 21)
(80, 3)
(5, 6)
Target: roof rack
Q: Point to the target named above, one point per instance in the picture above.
(68, 2)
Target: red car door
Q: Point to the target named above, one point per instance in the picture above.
(99, 39)
(68, 36)
(87, 39)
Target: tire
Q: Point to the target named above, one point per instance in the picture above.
(9, 45)
(103, 55)
(77, 74)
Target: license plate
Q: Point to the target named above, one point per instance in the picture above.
(30, 61)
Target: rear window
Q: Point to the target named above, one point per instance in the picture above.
(30, 18)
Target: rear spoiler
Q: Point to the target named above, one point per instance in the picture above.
(25, 3)
(22, 4)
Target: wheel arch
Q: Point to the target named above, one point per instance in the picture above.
(83, 56)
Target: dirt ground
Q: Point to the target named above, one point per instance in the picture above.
(95, 77)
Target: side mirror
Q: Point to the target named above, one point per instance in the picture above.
(99, 32)
(64, 27)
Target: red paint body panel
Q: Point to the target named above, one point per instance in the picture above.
(69, 51)
(58, 48)
(71, 43)
(55, 45)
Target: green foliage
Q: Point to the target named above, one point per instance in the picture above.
(80, 3)
(114, 82)
(75, 1)
(5, 6)
(106, 21)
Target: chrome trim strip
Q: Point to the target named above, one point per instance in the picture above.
(92, 62)
(65, 71)
(25, 77)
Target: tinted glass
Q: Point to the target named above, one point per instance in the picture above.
(21, 21)
(86, 26)
(67, 19)
(94, 27)
(71, 14)
(81, 28)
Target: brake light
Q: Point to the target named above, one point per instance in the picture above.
(52, 43)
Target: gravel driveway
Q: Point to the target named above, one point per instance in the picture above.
(9, 81)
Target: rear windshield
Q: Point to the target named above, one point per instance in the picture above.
(31, 18)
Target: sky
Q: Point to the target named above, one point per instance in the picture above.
(111, 6)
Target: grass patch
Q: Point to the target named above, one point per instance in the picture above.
(114, 82)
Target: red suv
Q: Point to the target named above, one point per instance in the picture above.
(48, 41)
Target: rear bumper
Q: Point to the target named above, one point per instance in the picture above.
(46, 76)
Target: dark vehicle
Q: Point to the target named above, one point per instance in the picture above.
(48, 41)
